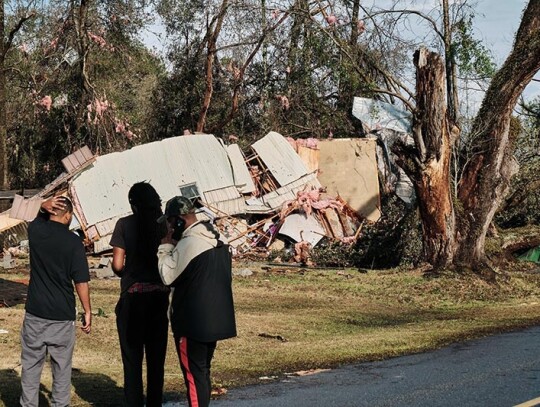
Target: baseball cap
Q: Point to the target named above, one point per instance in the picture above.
(176, 206)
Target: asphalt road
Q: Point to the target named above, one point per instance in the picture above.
(501, 370)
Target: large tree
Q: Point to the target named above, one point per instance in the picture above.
(487, 175)
(82, 77)
(7, 36)
(455, 233)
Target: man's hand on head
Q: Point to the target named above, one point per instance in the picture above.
(54, 204)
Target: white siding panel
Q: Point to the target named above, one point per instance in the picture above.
(280, 158)
(103, 244)
(102, 189)
(227, 201)
(242, 177)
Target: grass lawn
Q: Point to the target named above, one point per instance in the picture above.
(291, 319)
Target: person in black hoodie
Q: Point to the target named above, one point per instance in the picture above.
(198, 268)
(141, 311)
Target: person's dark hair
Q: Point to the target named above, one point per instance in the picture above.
(146, 205)
(68, 205)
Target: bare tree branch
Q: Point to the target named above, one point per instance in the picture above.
(14, 31)
(431, 21)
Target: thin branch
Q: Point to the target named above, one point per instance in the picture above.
(14, 31)
(382, 71)
(239, 79)
(431, 21)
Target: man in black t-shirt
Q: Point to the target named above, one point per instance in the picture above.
(57, 261)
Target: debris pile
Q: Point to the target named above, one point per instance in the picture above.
(282, 194)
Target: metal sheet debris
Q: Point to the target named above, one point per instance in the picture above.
(269, 199)
(24, 209)
(377, 114)
(300, 227)
(242, 177)
(387, 123)
(280, 158)
(78, 159)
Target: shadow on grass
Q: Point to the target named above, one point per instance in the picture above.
(99, 390)
(96, 389)
(10, 389)
(12, 292)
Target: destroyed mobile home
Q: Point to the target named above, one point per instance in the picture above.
(281, 194)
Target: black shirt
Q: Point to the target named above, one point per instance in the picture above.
(140, 267)
(57, 260)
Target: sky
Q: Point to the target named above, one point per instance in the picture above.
(497, 22)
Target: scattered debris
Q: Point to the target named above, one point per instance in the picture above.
(310, 372)
(532, 255)
(243, 273)
(301, 250)
(218, 391)
(268, 378)
(387, 124)
(21, 251)
(269, 336)
(8, 262)
(103, 269)
(271, 200)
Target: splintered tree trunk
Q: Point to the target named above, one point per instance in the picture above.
(429, 167)
(487, 175)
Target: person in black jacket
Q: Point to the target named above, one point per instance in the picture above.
(141, 311)
(199, 270)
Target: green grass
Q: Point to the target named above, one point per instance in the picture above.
(325, 318)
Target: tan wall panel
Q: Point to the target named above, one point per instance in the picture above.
(348, 168)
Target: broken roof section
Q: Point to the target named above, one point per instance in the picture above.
(279, 174)
(242, 177)
(280, 158)
(100, 193)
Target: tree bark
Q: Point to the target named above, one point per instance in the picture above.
(210, 57)
(355, 33)
(450, 65)
(429, 167)
(5, 45)
(486, 177)
(3, 113)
